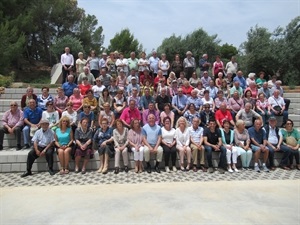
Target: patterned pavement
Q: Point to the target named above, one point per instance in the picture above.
(94, 178)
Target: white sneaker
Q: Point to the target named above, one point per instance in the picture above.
(256, 169)
(174, 169)
(230, 170)
(236, 170)
(167, 169)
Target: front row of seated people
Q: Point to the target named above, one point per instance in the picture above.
(190, 142)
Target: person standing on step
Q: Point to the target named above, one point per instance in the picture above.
(67, 62)
(43, 145)
(12, 123)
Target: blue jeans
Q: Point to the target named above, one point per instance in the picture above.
(222, 161)
(286, 153)
(26, 135)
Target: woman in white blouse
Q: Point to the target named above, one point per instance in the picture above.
(182, 136)
(168, 144)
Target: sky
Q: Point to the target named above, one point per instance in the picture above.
(152, 21)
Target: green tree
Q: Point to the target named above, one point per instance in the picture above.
(59, 45)
(89, 34)
(198, 42)
(11, 46)
(172, 46)
(227, 51)
(125, 42)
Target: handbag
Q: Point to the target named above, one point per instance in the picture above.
(291, 141)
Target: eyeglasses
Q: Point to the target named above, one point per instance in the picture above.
(13, 105)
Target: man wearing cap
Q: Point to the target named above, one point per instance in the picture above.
(32, 117)
(12, 123)
(43, 141)
(204, 64)
(274, 138)
(131, 75)
(67, 62)
(153, 60)
(133, 84)
(88, 75)
(189, 65)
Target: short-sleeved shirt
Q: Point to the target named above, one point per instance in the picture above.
(151, 133)
(295, 133)
(179, 101)
(33, 116)
(43, 138)
(259, 136)
(212, 137)
(196, 134)
(100, 136)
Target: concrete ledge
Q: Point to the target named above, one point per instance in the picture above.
(15, 161)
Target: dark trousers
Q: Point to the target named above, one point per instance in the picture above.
(169, 152)
(65, 73)
(95, 73)
(17, 132)
(287, 103)
(286, 153)
(222, 161)
(294, 153)
(32, 156)
(188, 72)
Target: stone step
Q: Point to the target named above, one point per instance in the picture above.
(15, 161)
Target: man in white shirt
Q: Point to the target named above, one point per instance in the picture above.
(67, 62)
(196, 134)
(231, 66)
(153, 60)
(274, 140)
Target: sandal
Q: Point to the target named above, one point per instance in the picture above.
(67, 171)
(61, 172)
(76, 170)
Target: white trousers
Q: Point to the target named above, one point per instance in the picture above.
(138, 155)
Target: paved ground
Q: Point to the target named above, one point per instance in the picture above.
(94, 178)
(167, 198)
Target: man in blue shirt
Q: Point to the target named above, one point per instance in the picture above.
(32, 117)
(152, 139)
(259, 143)
(241, 80)
(69, 86)
(179, 103)
(146, 99)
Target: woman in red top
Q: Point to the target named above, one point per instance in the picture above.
(187, 88)
(218, 66)
(159, 78)
(85, 86)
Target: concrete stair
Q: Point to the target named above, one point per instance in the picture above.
(15, 161)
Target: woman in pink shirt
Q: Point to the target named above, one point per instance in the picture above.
(76, 98)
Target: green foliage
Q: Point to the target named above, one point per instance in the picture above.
(125, 42)
(5, 81)
(227, 51)
(67, 41)
(11, 45)
(90, 36)
(198, 42)
(172, 46)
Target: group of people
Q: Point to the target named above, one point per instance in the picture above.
(116, 106)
